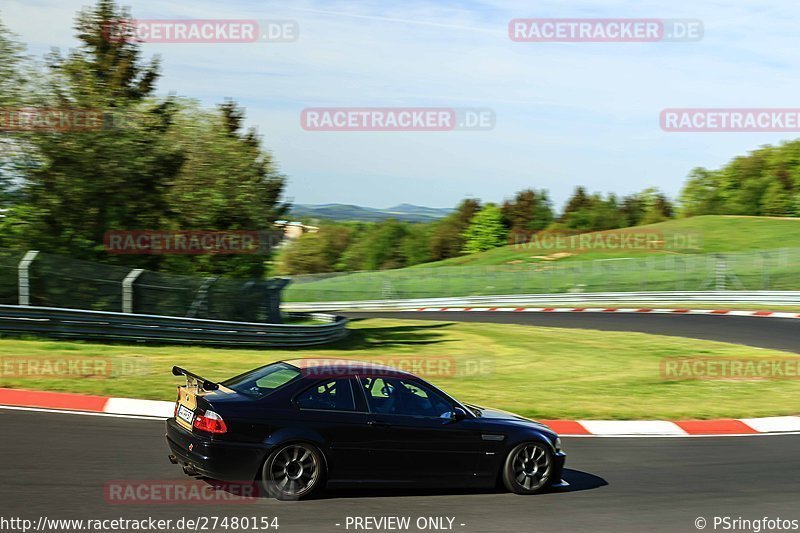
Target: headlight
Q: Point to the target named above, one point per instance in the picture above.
(558, 444)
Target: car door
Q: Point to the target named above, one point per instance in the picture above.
(413, 439)
(330, 408)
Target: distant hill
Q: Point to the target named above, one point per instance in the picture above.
(342, 212)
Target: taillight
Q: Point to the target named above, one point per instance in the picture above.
(210, 422)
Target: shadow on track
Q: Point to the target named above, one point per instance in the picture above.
(378, 337)
(578, 481)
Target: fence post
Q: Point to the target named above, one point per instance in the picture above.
(127, 289)
(721, 273)
(24, 278)
(200, 304)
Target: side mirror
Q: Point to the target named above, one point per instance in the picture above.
(455, 415)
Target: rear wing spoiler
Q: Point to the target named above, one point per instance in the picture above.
(194, 379)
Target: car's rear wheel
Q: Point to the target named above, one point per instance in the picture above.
(528, 468)
(293, 471)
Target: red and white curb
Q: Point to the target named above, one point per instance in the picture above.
(86, 404)
(680, 428)
(77, 403)
(638, 310)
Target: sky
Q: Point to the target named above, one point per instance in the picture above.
(566, 114)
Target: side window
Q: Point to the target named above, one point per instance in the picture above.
(403, 397)
(334, 395)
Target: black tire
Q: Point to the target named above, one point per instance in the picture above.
(294, 471)
(528, 468)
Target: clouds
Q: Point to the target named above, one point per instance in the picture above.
(567, 113)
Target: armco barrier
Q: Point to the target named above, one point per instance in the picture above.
(107, 326)
(712, 297)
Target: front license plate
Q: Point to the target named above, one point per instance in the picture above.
(185, 414)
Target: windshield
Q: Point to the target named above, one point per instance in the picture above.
(263, 381)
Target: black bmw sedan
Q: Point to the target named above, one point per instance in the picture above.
(297, 426)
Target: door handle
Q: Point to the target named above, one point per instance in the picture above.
(378, 424)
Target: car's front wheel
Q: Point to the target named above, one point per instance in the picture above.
(528, 468)
(293, 471)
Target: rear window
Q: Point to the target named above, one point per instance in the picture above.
(263, 381)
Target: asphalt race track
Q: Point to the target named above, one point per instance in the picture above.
(774, 333)
(56, 465)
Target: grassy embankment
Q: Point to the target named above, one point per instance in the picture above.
(544, 268)
(539, 372)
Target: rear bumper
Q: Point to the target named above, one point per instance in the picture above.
(225, 461)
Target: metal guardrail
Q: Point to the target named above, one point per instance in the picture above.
(109, 326)
(717, 297)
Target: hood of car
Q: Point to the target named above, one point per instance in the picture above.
(506, 417)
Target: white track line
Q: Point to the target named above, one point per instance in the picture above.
(83, 413)
(131, 406)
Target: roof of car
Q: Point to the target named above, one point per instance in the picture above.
(344, 367)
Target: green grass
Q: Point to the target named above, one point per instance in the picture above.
(539, 372)
(714, 234)
(763, 254)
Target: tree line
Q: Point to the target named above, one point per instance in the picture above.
(472, 227)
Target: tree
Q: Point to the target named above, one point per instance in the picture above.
(416, 246)
(227, 181)
(701, 195)
(304, 256)
(657, 207)
(486, 231)
(161, 164)
(105, 70)
(632, 210)
(13, 91)
(529, 211)
(86, 182)
(578, 201)
(13, 81)
(777, 201)
(764, 182)
(585, 212)
(447, 238)
(378, 247)
(315, 252)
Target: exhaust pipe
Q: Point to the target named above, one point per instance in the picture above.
(173, 459)
(189, 470)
